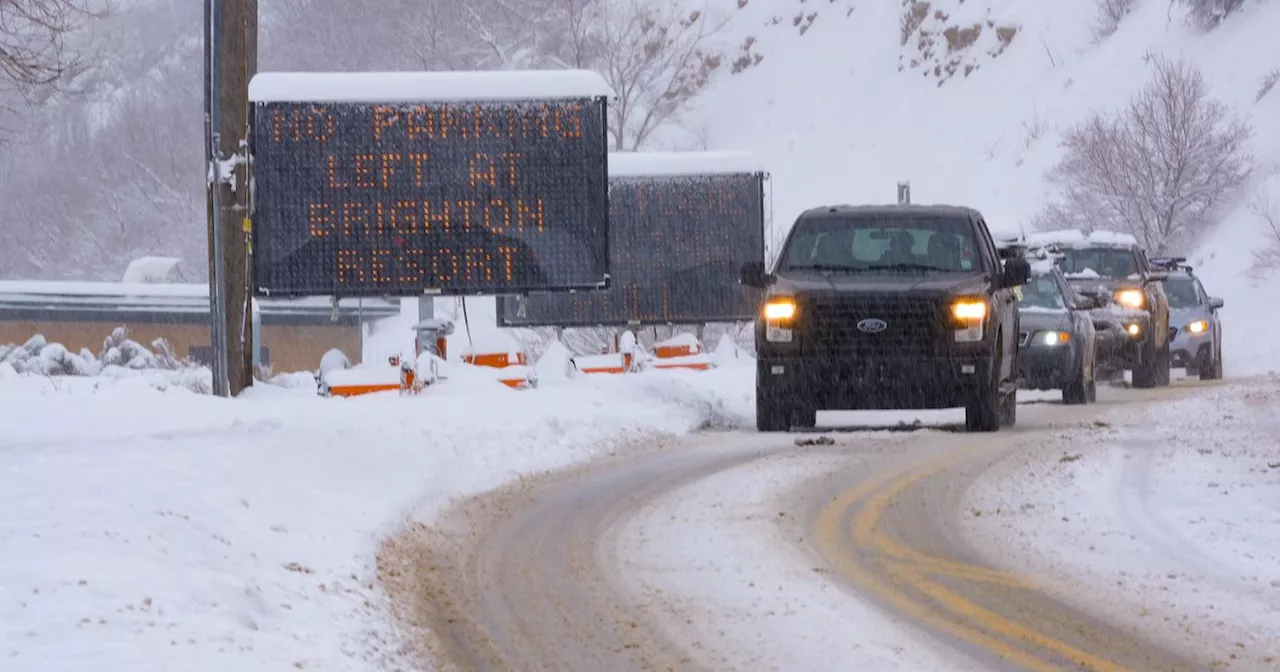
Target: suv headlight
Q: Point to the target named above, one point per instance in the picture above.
(779, 314)
(1131, 298)
(1198, 327)
(1052, 338)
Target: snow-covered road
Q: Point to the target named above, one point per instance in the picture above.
(742, 551)
(1168, 514)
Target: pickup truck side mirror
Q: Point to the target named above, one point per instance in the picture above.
(1216, 302)
(755, 276)
(1017, 272)
(1157, 276)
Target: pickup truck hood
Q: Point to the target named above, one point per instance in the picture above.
(907, 284)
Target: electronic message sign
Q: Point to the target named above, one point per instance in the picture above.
(678, 239)
(400, 184)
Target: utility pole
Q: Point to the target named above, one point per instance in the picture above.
(231, 51)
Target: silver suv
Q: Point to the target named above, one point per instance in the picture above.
(1194, 326)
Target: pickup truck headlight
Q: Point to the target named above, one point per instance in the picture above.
(970, 315)
(969, 310)
(779, 313)
(780, 309)
(1131, 298)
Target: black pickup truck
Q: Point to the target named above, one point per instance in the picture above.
(887, 307)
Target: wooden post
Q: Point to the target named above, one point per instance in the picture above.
(234, 61)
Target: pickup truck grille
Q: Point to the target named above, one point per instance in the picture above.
(913, 327)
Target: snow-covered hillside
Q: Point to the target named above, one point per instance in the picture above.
(970, 104)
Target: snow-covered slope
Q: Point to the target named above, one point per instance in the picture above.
(844, 104)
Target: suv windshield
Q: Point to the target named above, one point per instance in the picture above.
(1181, 291)
(1107, 262)
(1041, 292)
(882, 244)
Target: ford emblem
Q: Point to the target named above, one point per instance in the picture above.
(872, 325)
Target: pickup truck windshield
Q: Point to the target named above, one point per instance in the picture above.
(882, 245)
(1106, 262)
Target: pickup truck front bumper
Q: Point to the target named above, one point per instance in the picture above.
(917, 383)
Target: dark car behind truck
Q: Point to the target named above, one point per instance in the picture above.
(887, 307)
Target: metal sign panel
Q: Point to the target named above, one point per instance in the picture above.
(405, 198)
(677, 244)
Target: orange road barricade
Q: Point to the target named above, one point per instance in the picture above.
(684, 351)
(514, 365)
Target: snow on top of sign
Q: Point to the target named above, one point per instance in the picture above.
(374, 87)
(637, 164)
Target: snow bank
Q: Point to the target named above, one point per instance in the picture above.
(555, 364)
(1171, 509)
(166, 530)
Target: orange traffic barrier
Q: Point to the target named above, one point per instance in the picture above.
(356, 390)
(693, 366)
(497, 360)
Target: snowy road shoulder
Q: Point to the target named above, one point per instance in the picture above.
(151, 528)
(1170, 513)
(740, 588)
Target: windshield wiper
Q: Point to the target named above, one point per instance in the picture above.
(912, 267)
(826, 267)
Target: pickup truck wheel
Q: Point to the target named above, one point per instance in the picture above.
(1164, 370)
(771, 416)
(1009, 409)
(804, 417)
(982, 413)
(1146, 373)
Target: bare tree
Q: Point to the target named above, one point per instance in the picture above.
(1267, 257)
(658, 59)
(34, 53)
(1158, 169)
(1208, 14)
(1110, 14)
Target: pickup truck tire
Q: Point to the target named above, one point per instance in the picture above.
(983, 412)
(777, 414)
(1146, 374)
(1165, 371)
(771, 416)
(1009, 409)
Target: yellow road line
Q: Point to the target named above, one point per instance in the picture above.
(906, 564)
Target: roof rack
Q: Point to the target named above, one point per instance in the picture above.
(1171, 263)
